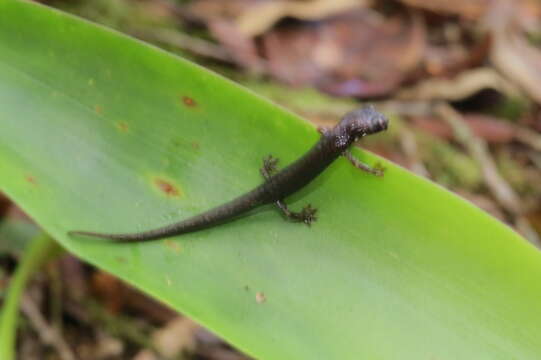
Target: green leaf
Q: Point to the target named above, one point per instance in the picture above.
(101, 132)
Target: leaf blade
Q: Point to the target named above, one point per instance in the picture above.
(124, 137)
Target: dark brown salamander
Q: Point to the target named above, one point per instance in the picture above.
(278, 185)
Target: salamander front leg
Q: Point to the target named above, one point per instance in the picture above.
(378, 170)
(307, 215)
(269, 166)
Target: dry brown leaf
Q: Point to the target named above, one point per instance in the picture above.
(449, 52)
(339, 54)
(118, 296)
(475, 9)
(486, 127)
(241, 48)
(176, 337)
(288, 52)
(251, 22)
(208, 10)
(110, 290)
(511, 53)
(466, 8)
(4, 204)
(490, 129)
(460, 87)
(534, 217)
(146, 354)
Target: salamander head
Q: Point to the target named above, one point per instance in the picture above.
(360, 122)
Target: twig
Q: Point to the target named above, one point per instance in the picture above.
(528, 137)
(47, 334)
(181, 13)
(478, 149)
(409, 146)
(460, 87)
(119, 326)
(535, 157)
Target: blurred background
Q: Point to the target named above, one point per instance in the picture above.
(461, 80)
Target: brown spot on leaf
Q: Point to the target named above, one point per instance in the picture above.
(166, 187)
(31, 179)
(98, 109)
(120, 259)
(188, 101)
(260, 297)
(195, 145)
(173, 246)
(122, 126)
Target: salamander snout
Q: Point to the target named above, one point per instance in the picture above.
(364, 121)
(377, 122)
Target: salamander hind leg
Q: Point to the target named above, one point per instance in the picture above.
(377, 170)
(307, 215)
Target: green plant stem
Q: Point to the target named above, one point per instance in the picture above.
(40, 250)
